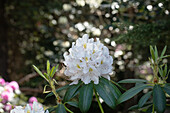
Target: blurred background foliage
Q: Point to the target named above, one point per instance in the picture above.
(32, 31)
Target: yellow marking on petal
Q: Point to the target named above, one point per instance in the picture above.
(86, 59)
(102, 62)
(93, 51)
(28, 111)
(90, 70)
(84, 45)
(78, 66)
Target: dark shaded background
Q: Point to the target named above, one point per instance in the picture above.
(32, 31)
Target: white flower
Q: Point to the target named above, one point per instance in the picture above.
(87, 61)
(18, 109)
(37, 108)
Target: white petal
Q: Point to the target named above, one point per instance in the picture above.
(86, 79)
(74, 82)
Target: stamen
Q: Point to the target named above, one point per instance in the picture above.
(86, 59)
(90, 70)
(102, 62)
(84, 45)
(78, 66)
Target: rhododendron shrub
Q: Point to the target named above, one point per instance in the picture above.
(8, 91)
(88, 65)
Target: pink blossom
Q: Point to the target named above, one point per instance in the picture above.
(8, 107)
(14, 85)
(8, 88)
(32, 99)
(2, 81)
(5, 95)
(31, 105)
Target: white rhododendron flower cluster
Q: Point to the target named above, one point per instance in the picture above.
(37, 108)
(88, 60)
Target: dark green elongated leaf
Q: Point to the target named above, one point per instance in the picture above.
(58, 90)
(133, 107)
(132, 81)
(39, 72)
(131, 92)
(85, 97)
(144, 99)
(118, 85)
(48, 67)
(152, 53)
(137, 107)
(106, 94)
(73, 103)
(55, 69)
(167, 88)
(163, 52)
(112, 87)
(71, 92)
(60, 109)
(159, 99)
(139, 83)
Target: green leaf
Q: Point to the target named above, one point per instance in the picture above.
(161, 71)
(72, 90)
(118, 85)
(112, 87)
(39, 72)
(132, 81)
(167, 88)
(44, 91)
(137, 107)
(48, 67)
(152, 53)
(165, 56)
(131, 92)
(85, 97)
(133, 107)
(163, 52)
(73, 103)
(60, 109)
(144, 99)
(165, 70)
(58, 90)
(45, 74)
(54, 71)
(156, 53)
(159, 99)
(106, 94)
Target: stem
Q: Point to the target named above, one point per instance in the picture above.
(153, 110)
(101, 109)
(68, 109)
(54, 91)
